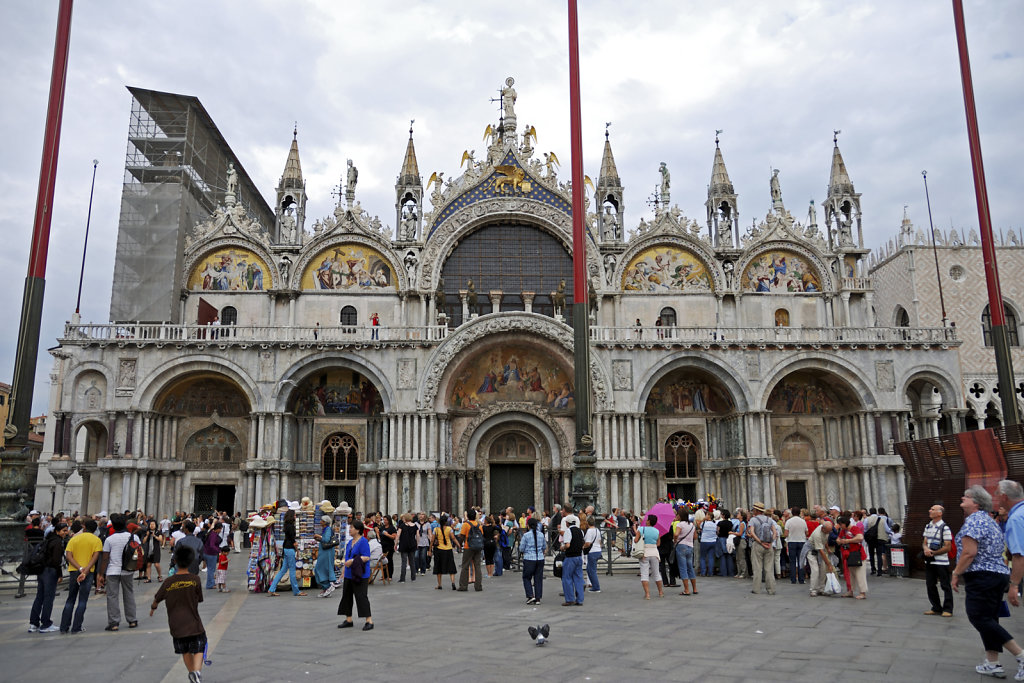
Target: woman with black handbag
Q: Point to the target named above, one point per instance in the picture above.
(851, 542)
(151, 544)
(357, 575)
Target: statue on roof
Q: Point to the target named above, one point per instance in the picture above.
(776, 191)
(352, 178)
(232, 180)
(508, 99)
(666, 183)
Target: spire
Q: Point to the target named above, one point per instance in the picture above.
(839, 181)
(720, 183)
(410, 173)
(292, 176)
(609, 173)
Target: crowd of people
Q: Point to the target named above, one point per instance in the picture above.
(832, 551)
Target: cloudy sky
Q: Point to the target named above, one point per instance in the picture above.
(776, 75)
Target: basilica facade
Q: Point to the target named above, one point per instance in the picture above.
(431, 367)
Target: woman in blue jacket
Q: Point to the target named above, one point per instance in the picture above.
(357, 575)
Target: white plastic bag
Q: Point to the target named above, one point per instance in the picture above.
(832, 586)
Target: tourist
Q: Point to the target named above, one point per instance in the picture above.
(1011, 496)
(189, 539)
(728, 562)
(763, 533)
(183, 595)
(83, 554)
(472, 552)
(878, 540)
(288, 558)
(490, 543)
(986, 578)
(851, 542)
(572, 565)
(708, 544)
(424, 532)
(533, 544)
(739, 536)
(593, 550)
(443, 552)
(165, 531)
(211, 552)
(407, 546)
(684, 533)
(796, 537)
(152, 541)
(387, 534)
(357, 573)
(323, 572)
(938, 540)
(649, 562)
(40, 617)
(114, 579)
(821, 564)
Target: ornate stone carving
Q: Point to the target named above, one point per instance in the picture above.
(227, 221)
(125, 377)
(564, 446)
(406, 373)
(374, 240)
(885, 377)
(474, 331)
(622, 375)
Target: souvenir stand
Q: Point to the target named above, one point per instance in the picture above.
(265, 557)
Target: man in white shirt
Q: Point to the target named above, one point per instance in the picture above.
(796, 537)
(938, 540)
(165, 530)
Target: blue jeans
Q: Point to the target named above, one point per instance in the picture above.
(80, 592)
(728, 566)
(796, 567)
(533, 578)
(708, 550)
(592, 560)
(572, 579)
(211, 569)
(287, 564)
(684, 561)
(42, 606)
(498, 561)
(421, 559)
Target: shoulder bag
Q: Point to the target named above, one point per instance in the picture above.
(639, 546)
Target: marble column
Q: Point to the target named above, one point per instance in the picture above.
(142, 502)
(867, 497)
(405, 492)
(528, 298)
(105, 491)
(126, 490)
(638, 501)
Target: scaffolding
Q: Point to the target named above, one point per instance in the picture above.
(175, 176)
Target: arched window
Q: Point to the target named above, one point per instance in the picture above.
(901, 317)
(340, 457)
(668, 317)
(511, 258)
(227, 454)
(228, 316)
(682, 454)
(1011, 326)
(349, 317)
(782, 318)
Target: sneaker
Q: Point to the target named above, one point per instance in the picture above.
(595, 590)
(52, 628)
(1020, 669)
(947, 614)
(193, 677)
(531, 601)
(32, 628)
(994, 669)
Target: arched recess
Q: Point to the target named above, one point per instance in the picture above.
(694, 256)
(152, 385)
(210, 418)
(829, 363)
(701, 362)
(367, 248)
(783, 267)
(339, 459)
(283, 395)
(214, 445)
(89, 441)
(90, 392)
(682, 455)
(74, 382)
(227, 265)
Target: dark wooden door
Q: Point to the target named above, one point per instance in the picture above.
(511, 485)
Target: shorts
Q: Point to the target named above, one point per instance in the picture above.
(221, 576)
(190, 645)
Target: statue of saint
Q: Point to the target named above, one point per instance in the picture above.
(232, 179)
(609, 268)
(439, 296)
(471, 296)
(353, 178)
(288, 225)
(410, 268)
(776, 190)
(725, 231)
(284, 267)
(508, 99)
(666, 183)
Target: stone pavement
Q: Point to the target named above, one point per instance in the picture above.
(723, 634)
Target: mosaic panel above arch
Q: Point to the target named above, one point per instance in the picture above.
(512, 373)
(780, 271)
(349, 267)
(688, 390)
(231, 269)
(806, 392)
(666, 269)
(336, 391)
(201, 396)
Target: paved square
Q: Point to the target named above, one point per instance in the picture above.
(723, 634)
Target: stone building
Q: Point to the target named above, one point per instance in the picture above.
(431, 367)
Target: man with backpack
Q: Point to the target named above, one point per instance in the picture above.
(762, 535)
(877, 529)
(473, 551)
(938, 539)
(116, 573)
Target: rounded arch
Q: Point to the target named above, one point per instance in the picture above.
(439, 366)
(499, 416)
(351, 263)
(701, 253)
(287, 384)
(153, 385)
(763, 262)
(900, 317)
(209, 261)
(74, 374)
(702, 361)
(937, 377)
(96, 436)
(820, 363)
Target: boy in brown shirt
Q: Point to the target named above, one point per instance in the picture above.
(183, 593)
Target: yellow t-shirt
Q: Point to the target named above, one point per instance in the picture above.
(444, 537)
(82, 546)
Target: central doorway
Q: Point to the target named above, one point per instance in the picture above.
(210, 498)
(511, 486)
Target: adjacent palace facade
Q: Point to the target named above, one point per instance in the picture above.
(255, 352)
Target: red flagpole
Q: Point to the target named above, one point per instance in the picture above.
(579, 245)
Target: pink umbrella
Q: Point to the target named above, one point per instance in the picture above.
(665, 515)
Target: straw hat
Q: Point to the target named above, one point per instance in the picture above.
(758, 506)
(326, 507)
(343, 508)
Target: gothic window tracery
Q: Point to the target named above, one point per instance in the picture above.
(340, 457)
(682, 456)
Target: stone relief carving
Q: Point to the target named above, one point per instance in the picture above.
(622, 375)
(564, 445)
(406, 373)
(227, 221)
(753, 366)
(472, 332)
(125, 377)
(885, 377)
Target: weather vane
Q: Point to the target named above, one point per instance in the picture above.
(835, 136)
(655, 198)
(718, 131)
(607, 125)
